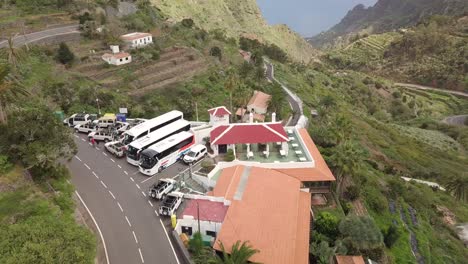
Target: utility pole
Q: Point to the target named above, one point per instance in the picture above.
(198, 217)
(196, 110)
(99, 109)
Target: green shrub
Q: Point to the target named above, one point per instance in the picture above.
(64, 54)
(327, 224)
(187, 22)
(353, 192)
(391, 236)
(396, 94)
(229, 155)
(216, 52)
(5, 165)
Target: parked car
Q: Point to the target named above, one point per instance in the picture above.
(108, 120)
(101, 136)
(170, 203)
(77, 119)
(196, 153)
(121, 127)
(163, 187)
(116, 148)
(85, 128)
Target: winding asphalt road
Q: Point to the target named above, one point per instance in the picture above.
(295, 106)
(21, 40)
(115, 193)
(458, 120)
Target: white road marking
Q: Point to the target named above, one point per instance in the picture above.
(143, 181)
(104, 154)
(136, 240)
(112, 194)
(119, 166)
(141, 256)
(120, 206)
(103, 184)
(132, 179)
(68, 181)
(78, 158)
(90, 144)
(144, 194)
(128, 221)
(112, 160)
(126, 172)
(156, 212)
(86, 165)
(97, 226)
(150, 203)
(138, 186)
(175, 255)
(83, 140)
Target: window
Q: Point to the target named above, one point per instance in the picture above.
(120, 59)
(187, 230)
(210, 233)
(126, 58)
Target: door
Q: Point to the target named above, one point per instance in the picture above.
(222, 149)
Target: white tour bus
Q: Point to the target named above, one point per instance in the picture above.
(162, 155)
(134, 149)
(149, 126)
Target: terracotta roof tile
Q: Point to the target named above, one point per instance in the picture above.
(209, 211)
(119, 55)
(272, 215)
(260, 99)
(349, 259)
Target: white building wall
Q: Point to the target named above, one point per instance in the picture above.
(189, 221)
(219, 120)
(256, 109)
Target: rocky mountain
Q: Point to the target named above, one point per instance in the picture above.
(237, 18)
(384, 16)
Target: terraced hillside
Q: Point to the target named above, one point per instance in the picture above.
(236, 18)
(175, 65)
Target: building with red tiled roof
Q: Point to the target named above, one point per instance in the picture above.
(269, 210)
(349, 260)
(219, 116)
(259, 103)
(137, 39)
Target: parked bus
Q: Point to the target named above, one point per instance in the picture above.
(162, 155)
(134, 149)
(149, 126)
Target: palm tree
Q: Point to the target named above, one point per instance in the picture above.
(13, 54)
(10, 90)
(230, 86)
(240, 253)
(346, 159)
(459, 187)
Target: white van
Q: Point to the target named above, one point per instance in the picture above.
(196, 153)
(77, 119)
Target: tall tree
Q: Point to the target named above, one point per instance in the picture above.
(10, 90)
(240, 253)
(458, 186)
(230, 85)
(360, 234)
(14, 55)
(346, 160)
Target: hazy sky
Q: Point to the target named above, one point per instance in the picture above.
(308, 17)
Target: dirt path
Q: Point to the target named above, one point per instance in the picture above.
(427, 88)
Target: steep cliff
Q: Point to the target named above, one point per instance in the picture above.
(236, 18)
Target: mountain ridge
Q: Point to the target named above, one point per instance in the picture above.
(385, 16)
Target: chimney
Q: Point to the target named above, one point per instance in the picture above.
(115, 49)
(273, 117)
(251, 117)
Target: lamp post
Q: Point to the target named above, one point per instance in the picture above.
(99, 109)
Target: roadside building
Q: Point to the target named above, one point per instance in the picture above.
(219, 116)
(349, 260)
(258, 104)
(137, 39)
(117, 57)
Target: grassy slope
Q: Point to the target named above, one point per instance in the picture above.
(395, 144)
(236, 18)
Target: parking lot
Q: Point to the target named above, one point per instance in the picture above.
(116, 194)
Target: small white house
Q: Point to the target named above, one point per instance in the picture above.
(258, 104)
(219, 116)
(117, 57)
(137, 39)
